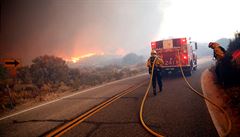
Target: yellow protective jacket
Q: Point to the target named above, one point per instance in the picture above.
(158, 64)
(219, 52)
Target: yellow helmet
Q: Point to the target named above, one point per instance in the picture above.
(213, 44)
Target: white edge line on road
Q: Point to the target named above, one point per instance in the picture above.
(220, 132)
(80, 92)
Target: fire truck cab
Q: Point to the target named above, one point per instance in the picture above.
(177, 52)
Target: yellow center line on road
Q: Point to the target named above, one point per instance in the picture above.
(63, 129)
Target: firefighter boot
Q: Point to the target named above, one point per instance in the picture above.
(160, 89)
(154, 92)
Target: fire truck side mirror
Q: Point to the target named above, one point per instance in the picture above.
(196, 46)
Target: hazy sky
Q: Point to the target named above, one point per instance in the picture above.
(202, 20)
(75, 28)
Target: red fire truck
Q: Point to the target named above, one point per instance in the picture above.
(176, 52)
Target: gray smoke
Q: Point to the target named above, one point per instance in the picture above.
(30, 28)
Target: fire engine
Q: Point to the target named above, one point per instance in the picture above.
(176, 52)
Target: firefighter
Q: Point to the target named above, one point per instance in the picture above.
(156, 72)
(218, 53)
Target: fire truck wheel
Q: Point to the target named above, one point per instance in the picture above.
(188, 73)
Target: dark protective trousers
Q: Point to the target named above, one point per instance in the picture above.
(157, 77)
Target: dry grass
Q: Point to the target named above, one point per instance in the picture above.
(46, 93)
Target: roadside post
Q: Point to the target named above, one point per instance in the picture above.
(11, 66)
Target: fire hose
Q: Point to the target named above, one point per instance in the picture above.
(192, 89)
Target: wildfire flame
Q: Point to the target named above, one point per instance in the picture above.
(77, 58)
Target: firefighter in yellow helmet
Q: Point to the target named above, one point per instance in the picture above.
(157, 70)
(218, 53)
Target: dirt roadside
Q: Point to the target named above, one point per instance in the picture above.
(54, 97)
(217, 95)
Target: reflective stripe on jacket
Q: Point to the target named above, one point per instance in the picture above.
(158, 64)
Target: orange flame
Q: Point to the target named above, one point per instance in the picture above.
(77, 58)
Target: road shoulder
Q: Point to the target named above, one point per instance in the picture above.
(217, 94)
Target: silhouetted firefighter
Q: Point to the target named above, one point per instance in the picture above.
(231, 64)
(218, 53)
(228, 63)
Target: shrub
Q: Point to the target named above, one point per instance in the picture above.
(49, 69)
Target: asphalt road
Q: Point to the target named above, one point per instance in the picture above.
(175, 112)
